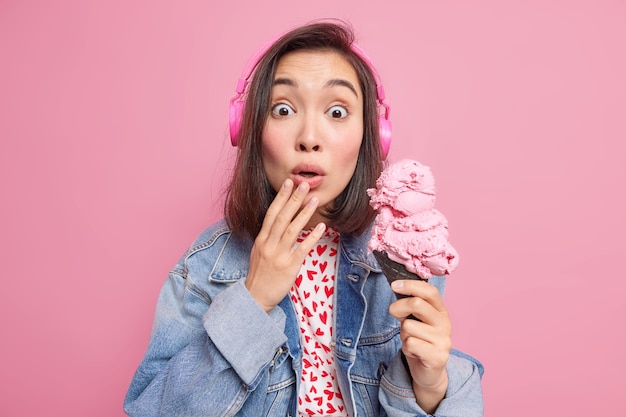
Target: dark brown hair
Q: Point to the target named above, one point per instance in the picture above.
(250, 193)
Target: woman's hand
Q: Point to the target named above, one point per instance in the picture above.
(425, 343)
(274, 260)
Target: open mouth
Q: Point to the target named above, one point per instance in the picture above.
(310, 173)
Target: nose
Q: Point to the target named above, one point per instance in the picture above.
(309, 139)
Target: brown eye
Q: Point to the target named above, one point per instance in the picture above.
(282, 110)
(337, 112)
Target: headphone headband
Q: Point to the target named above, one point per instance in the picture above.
(237, 102)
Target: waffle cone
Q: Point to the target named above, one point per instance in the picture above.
(394, 270)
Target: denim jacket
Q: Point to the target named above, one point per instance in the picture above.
(214, 352)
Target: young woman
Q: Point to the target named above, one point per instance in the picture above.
(279, 309)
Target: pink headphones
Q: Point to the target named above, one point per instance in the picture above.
(237, 102)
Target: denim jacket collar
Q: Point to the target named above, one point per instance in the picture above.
(351, 246)
(354, 248)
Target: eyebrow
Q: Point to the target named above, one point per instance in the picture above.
(342, 82)
(330, 83)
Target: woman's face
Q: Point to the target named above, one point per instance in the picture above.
(315, 127)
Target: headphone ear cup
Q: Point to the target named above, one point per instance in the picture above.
(235, 116)
(384, 134)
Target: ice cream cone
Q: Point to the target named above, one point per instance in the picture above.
(394, 270)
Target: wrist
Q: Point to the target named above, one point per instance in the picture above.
(257, 296)
(428, 396)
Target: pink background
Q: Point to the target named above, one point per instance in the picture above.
(113, 128)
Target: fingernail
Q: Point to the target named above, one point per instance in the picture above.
(302, 188)
(397, 285)
(287, 184)
(320, 227)
(312, 202)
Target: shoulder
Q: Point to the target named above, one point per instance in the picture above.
(216, 255)
(210, 236)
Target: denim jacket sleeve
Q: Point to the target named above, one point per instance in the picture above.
(196, 352)
(463, 397)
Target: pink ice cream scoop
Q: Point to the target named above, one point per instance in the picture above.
(408, 230)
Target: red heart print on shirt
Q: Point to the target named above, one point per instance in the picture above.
(315, 309)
